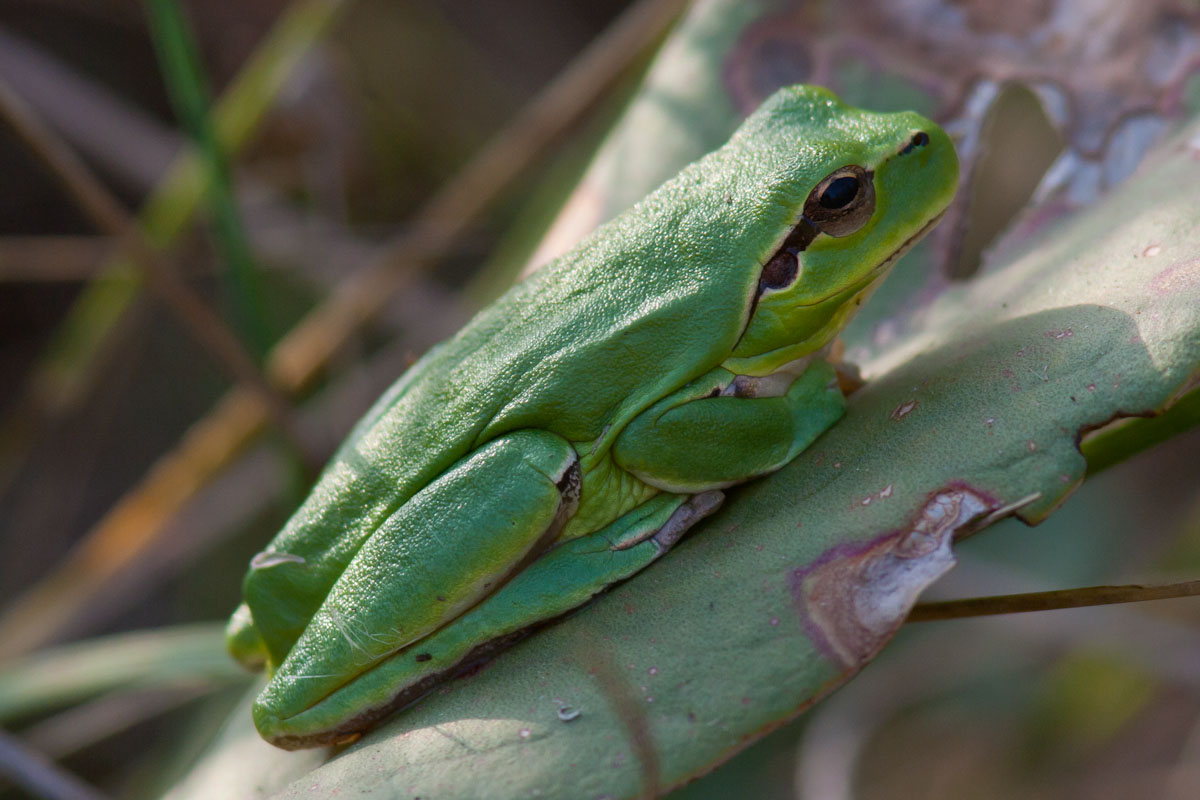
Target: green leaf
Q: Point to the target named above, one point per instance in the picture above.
(184, 655)
(240, 764)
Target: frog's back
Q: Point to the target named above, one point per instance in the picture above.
(577, 349)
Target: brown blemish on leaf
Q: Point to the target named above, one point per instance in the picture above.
(903, 410)
(1018, 18)
(1176, 278)
(853, 598)
(771, 53)
(882, 494)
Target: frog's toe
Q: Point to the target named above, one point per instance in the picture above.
(696, 508)
(243, 640)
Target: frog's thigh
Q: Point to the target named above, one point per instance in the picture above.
(451, 544)
(689, 444)
(561, 580)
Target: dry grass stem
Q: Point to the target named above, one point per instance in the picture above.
(106, 213)
(1049, 601)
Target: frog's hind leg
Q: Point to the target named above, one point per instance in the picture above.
(561, 580)
(454, 543)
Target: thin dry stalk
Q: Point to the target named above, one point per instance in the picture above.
(51, 259)
(106, 213)
(1049, 601)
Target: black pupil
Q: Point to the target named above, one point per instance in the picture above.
(840, 192)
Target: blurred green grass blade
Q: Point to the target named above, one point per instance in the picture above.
(187, 654)
(65, 365)
(187, 86)
(174, 203)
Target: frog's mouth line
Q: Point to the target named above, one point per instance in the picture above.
(882, 266)
(909, 243)
(887, 263)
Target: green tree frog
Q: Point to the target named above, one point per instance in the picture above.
(572, 432)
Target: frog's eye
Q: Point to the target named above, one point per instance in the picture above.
(839, 193)
(843, 202)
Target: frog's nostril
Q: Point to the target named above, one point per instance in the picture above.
(919, 139)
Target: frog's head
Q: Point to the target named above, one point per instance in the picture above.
(849, 191)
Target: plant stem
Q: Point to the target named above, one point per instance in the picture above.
(187, 86)
(1049, 601)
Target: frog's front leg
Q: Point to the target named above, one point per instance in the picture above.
(452, 544)
(707, 436)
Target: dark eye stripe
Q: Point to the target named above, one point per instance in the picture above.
(781, 270)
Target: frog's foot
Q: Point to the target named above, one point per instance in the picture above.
(685, 515)
(243, 640)
(697, 507)
(849, 376)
